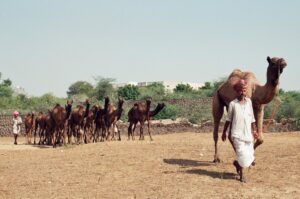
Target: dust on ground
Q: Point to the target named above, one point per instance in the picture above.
(172, 166)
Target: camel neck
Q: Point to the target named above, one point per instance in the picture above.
(264, 94)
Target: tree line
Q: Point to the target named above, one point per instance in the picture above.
(288, 101)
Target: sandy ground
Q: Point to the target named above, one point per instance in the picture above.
(172, 166)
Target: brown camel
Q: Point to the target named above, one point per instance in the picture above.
(40, 125)
(60, 115)
(140, 112)
(50, 127)
(100, 122)
(29, 125)
(112, 115)
(259, 94)
(76, 122)
(89, 124)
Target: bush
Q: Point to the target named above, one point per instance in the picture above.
(169, 112)
(129, 92)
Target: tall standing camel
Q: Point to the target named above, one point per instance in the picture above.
(100, 121)
(112, 115)
(76, 122)
(60, 115)
(29, 125)
(40, 125)
(89, 125)
(49, 128)
(140, 112)
(259, 94)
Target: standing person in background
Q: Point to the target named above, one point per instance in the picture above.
(242, 130)
(17, 121)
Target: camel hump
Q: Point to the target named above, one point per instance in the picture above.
(236, 73)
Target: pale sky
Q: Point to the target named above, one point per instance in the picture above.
(46, 45)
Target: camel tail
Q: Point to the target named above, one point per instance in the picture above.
(158, 108)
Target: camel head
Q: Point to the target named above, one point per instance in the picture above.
(120, 103)
(68, 106)
(162, 105)
(94, 108)
(275, 68)
(87, 101)
(69, 102)
(148, 103)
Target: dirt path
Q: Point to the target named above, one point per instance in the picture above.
(172, 166)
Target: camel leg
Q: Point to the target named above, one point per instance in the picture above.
(133, 129)
(113, 132)
(118, 131)
(64, 134)
(103, 136)
(130, 130)
(95, 134)
(142, 131)
(259, 115)
(26, 136)
(85, 136)
(149, 130)
(40, 135)
(34, 135)
(30, 136)
(54, 138)
(108, 133)
(218, 110)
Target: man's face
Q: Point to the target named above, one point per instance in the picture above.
(242, 92)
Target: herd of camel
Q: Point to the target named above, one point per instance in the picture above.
(85, 124)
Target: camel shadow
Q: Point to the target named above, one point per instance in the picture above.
(187, 163)
(42, 146)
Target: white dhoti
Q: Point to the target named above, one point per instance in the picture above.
(244, 152)
(16, 130)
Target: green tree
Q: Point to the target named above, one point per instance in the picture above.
(79, 88)
(183, 88)
(104, 88)
(169, 112)
(129, 92)
(207, 85)
(5, 87)
(155, 91)
(5, 91)
(7, 82)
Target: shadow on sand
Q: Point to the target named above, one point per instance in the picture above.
(187, 163)
(195, 163)
(41, 146)
(213, 174)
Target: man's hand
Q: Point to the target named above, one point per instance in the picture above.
(255, 134)
(224, 136)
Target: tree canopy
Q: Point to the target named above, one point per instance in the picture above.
(80, 87)
(129, 92)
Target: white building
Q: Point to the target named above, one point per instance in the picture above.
(169, 85)
(18, 90)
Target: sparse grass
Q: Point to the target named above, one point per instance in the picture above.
(172, 166)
